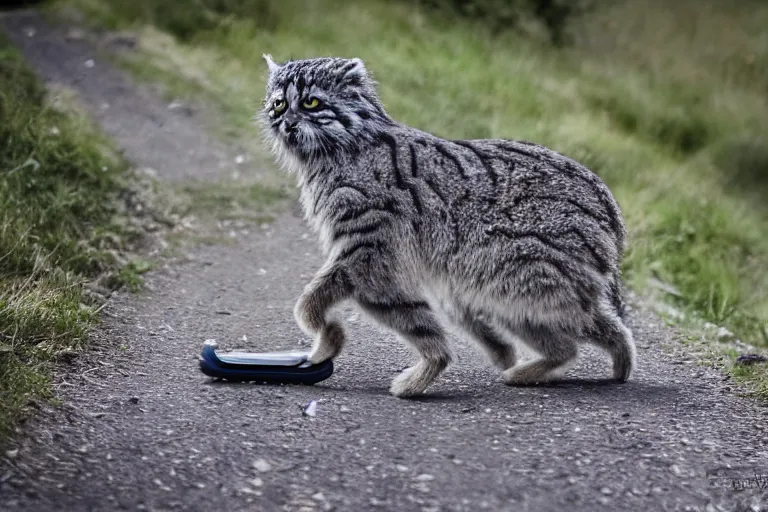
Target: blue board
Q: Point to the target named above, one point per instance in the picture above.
(267, 367)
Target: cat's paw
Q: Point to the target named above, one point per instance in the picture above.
(320, 356)
(530, 374)
(329, 343)
(408, 383)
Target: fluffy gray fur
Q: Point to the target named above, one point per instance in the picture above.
(511, 241)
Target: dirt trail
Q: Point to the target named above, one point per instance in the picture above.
(141, 428)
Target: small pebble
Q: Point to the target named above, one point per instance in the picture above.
(175, 105)
(724, 334)
(161, 485)
(311, 409)
(261, 465)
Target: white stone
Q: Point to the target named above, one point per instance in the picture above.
(261, 465)
(724, 334)
(311, 409)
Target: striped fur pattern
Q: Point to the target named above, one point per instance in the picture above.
(509, 241)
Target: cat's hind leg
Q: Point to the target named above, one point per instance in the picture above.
(556, 347)
(481, 329)
(415, 321)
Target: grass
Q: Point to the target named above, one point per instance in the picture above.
(58, 231)
(753, 376)
(232, 201)
(664, 100)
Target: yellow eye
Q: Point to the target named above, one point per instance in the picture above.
(311, 103)
(279, 105)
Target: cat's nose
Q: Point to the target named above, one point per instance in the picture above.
(291, 126)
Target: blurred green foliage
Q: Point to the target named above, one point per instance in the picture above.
(502, 15)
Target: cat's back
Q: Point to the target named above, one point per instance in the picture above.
(478, 187)
(536, 186)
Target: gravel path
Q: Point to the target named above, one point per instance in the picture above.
(141, 428)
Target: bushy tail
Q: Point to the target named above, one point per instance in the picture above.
(617, 297)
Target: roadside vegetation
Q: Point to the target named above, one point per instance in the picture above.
(664, 100)
(61, 235)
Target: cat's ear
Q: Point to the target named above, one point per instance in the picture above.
(271, 64)
(355, 68)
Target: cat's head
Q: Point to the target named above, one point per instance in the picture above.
(317, 108)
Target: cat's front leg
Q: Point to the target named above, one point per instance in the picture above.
(328, 288)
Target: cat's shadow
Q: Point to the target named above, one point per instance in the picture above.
(571, 382)
(585, 387)
(643, 391)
